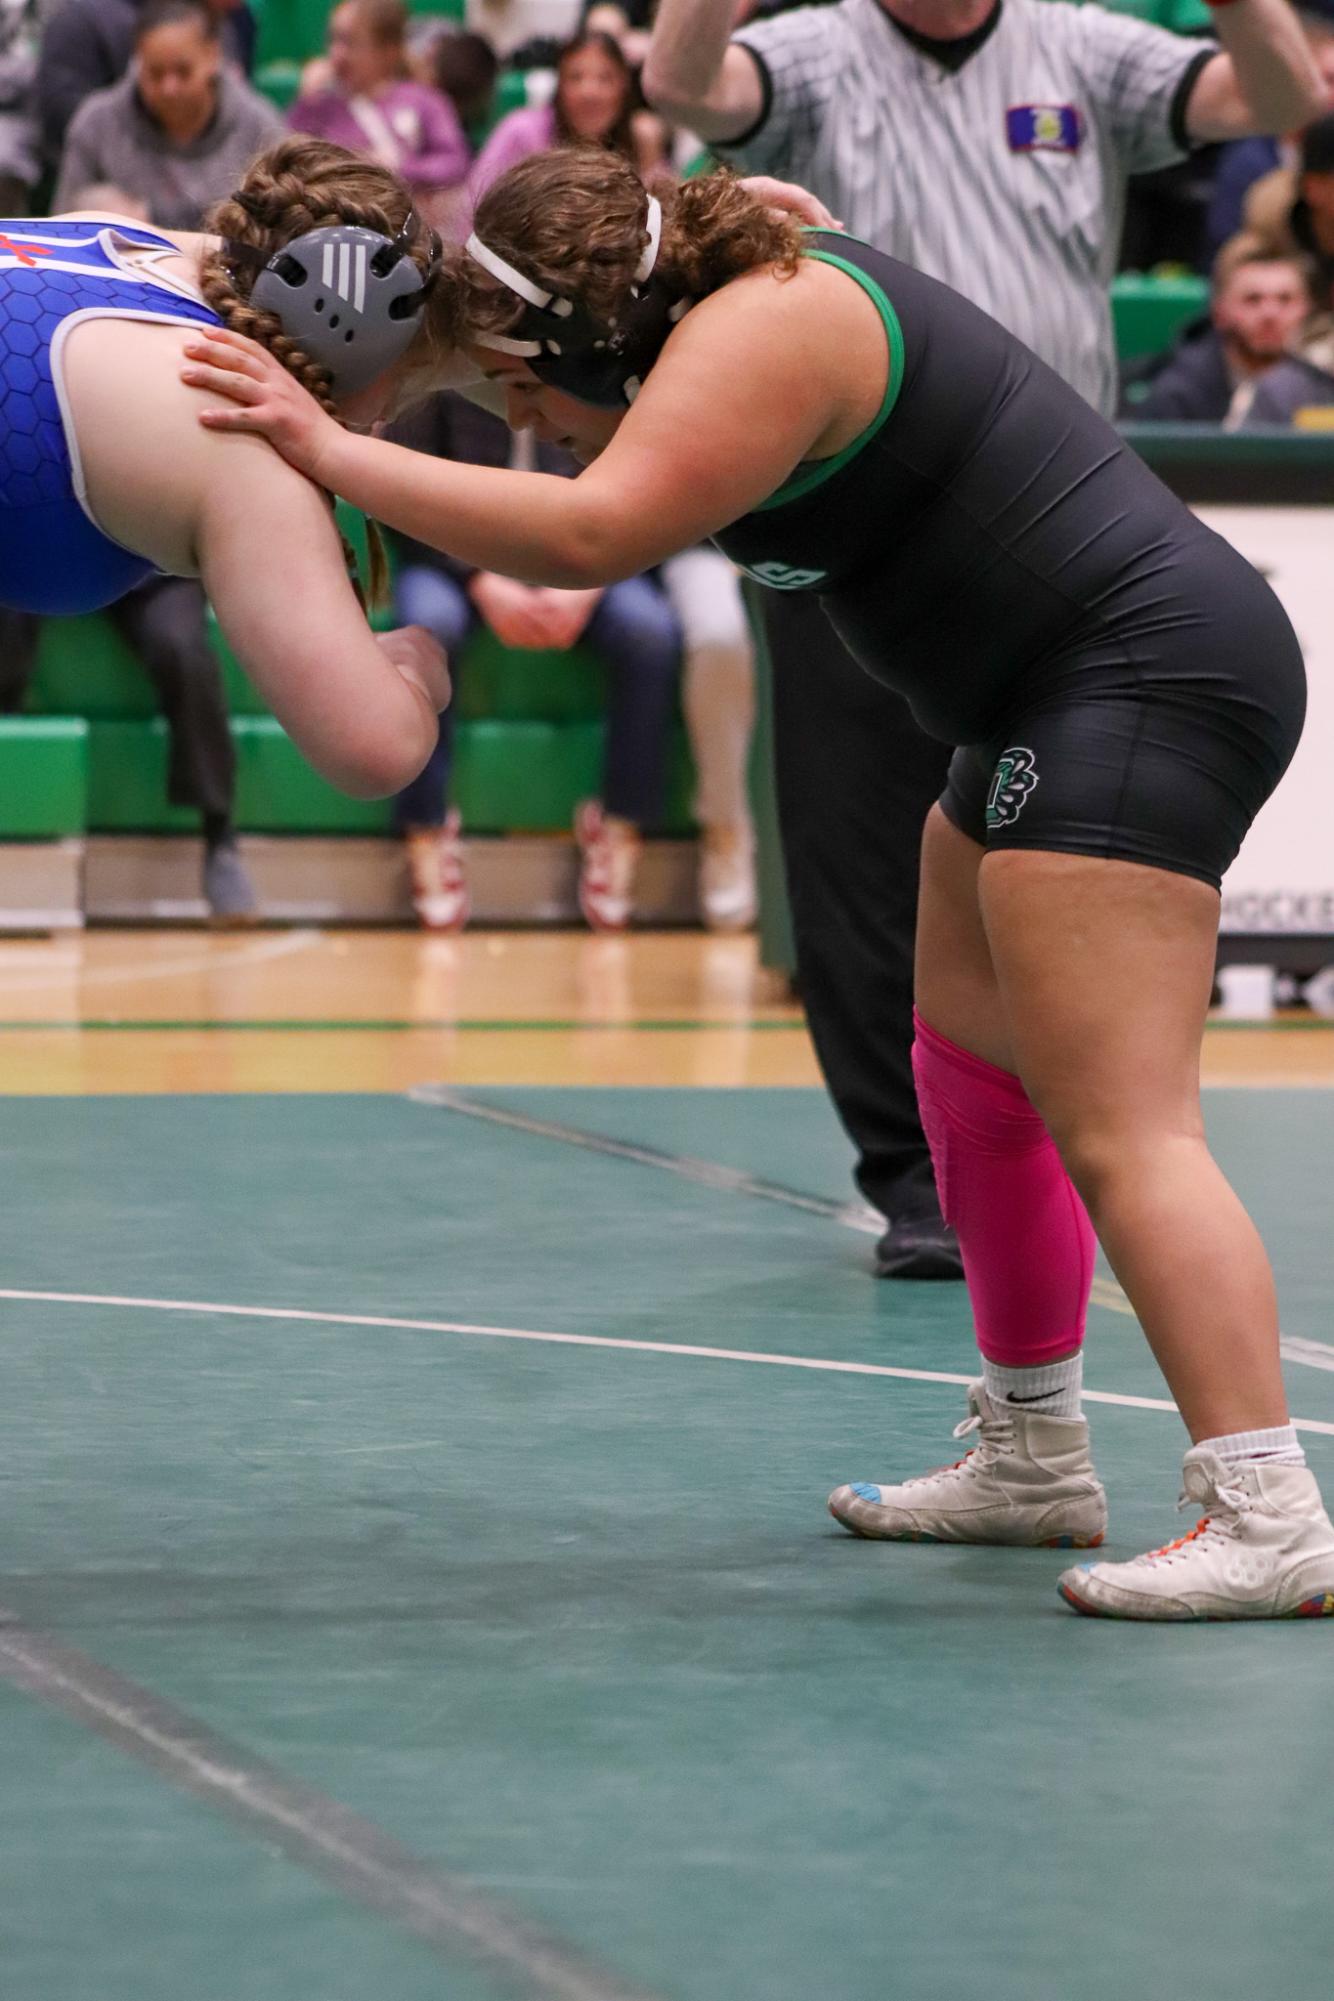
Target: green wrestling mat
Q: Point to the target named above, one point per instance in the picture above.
(456, 1660)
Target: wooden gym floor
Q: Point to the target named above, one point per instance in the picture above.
(149, 1011)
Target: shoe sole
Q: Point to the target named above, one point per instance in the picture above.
(1072, 1541)
(921, 1265)
(1319, 1607)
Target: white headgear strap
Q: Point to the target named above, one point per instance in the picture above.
(515, 281)
(653, 223)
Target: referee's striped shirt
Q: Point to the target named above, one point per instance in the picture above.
(1006, 179)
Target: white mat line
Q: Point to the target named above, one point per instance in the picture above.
(688, 1349)
(731, 1181)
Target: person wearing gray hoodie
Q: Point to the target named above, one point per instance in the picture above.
(176, 133)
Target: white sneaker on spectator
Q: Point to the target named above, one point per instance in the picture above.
(727, 898)
(1028, 1482)
(610, 861)
(439, 880)
(1264, 1550)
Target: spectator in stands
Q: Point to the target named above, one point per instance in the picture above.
(718, 696)
(1292, 210)
(1211, 376)
(630, 625)
(174, 135)
(165, 143)
(20, 157)
(1302, 383)
(594, 102)
(162, 622)
(1243, 162)
(464, 68)
(524, 33)
(373, 106)
(626, 21)
(87, 46)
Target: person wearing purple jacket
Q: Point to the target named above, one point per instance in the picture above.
(593, 104)
(371, 106)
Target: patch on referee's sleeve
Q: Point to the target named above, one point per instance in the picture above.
(1043, 128)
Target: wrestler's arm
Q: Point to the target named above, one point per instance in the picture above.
(746, 387)
(364, 711)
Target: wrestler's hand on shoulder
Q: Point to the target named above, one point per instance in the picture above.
(786, 198)
(262, 397)
(420, 659)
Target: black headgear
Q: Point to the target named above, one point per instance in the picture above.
(564, 345)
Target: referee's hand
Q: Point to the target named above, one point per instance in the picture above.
(786, 198)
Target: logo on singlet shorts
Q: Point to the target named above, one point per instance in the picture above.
(1011, 783)
(783, 577)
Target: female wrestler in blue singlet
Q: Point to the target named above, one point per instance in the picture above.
(102, 480)
(1124, 691)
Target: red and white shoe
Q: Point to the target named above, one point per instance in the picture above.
(610, 851)
(439, 879)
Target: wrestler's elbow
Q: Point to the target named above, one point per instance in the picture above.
(593, 551)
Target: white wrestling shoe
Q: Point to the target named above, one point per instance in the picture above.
(1264, 1550)
(1029, 1482)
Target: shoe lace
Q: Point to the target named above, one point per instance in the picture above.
(1223, 1525)
(993, 1437)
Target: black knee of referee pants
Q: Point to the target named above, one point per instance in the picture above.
(164, 622)
(855, 778)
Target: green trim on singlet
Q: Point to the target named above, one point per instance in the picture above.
(806, 478)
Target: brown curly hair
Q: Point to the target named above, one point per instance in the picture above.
(573, 220)
(301, 184)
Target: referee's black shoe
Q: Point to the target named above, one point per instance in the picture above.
(921, 1246)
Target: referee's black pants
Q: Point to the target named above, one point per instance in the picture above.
(855, 779)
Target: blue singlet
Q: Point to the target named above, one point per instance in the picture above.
(53, 556)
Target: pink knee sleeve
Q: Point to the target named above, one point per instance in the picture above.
(1025, 1235)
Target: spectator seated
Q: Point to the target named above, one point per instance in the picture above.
(1212, 374)
(171, 138)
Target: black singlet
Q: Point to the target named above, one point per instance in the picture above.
(986, 513)
(1122, 681)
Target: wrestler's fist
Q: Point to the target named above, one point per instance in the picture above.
(420, 659)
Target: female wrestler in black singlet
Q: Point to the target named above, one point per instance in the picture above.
(1125, 692)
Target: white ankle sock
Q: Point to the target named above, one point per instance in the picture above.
(1276, 1447)
(1052, 1389)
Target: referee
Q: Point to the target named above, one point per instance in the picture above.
(988, 143)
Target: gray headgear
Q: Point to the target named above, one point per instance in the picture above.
(350, 297)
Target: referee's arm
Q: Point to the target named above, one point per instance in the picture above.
(1265, 81)
(697, 76)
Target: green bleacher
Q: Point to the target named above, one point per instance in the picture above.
(529, 746)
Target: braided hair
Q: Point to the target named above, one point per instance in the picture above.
(298, 185)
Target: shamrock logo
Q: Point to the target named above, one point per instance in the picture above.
(1011, 783)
